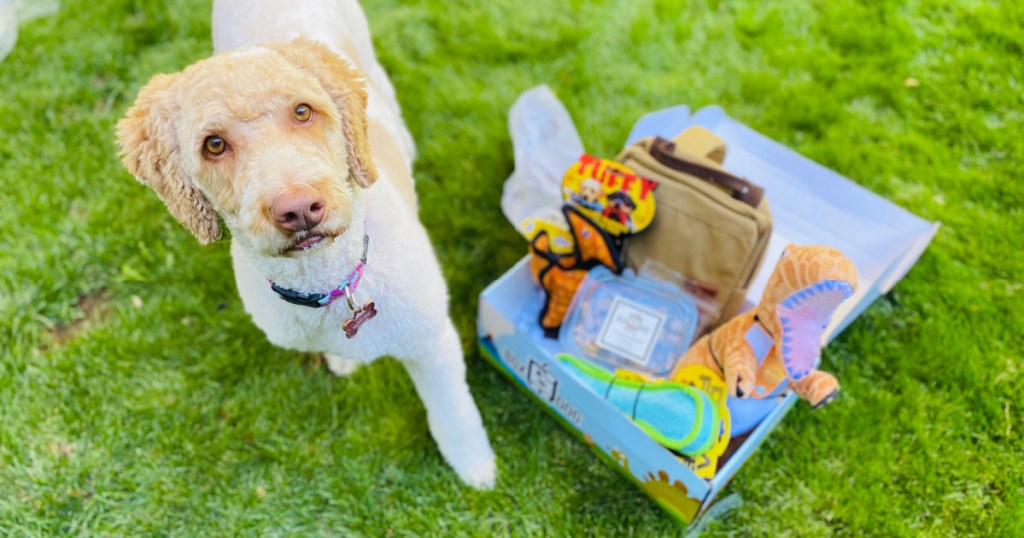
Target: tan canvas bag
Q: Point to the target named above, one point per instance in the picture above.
(711, 226)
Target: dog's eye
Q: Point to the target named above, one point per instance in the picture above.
(303, 112)
(215, 145)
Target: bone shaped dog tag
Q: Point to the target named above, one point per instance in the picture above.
(359, 316)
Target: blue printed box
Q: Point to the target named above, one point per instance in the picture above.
(811, 205)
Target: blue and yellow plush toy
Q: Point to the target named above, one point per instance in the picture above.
(676, 415)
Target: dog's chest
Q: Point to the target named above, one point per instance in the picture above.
(324, 329)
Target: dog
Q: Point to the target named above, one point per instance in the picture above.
(292, 137)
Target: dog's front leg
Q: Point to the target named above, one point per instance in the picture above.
(341, 366)
(454, 420)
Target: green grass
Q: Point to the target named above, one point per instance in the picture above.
(170, 414)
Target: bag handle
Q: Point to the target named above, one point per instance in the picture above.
(663, 151)
(701, 142)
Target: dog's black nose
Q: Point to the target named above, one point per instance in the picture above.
(297, 208)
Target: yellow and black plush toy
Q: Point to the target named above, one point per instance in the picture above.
(605, 202)
(560, 274)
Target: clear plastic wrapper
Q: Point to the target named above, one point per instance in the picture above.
(546, 144)
(15, 12)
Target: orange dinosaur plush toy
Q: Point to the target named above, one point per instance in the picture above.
(779, 341)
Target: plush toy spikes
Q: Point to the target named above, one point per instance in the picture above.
(802, 317)
(560, 274)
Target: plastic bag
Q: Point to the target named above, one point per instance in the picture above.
(15, 12)
(546, 144)
(8, 27)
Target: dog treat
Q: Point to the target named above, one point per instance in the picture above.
(629, 322)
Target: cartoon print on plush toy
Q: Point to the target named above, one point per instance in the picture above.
(779, 341)
(620, 208)
(589, 195)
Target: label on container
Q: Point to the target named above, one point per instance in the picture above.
(630, 331)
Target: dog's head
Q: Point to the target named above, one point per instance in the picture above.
(273, 138)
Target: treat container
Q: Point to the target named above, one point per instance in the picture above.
(629, 321)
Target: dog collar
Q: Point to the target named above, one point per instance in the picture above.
(317, 300)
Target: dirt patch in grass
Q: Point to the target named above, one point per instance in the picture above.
(92, 305)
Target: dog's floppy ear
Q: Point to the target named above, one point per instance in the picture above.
(150, 151)
(347, 89)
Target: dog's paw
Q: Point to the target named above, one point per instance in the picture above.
(829, 398)
(482, 475)
(741, 381)
(340, 366)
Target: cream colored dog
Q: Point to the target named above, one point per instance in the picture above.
(300, 147)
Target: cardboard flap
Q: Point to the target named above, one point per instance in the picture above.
(811, 204)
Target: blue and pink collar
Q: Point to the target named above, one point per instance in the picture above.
(318, 300)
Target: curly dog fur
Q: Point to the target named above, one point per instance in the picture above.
(352, 154)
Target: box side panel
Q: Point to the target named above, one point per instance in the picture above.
(676, 501)
(528, 360)
(532, 366)
(757, 436)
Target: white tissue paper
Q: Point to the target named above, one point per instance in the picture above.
(546, 143)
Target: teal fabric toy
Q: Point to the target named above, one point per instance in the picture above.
(678, 416)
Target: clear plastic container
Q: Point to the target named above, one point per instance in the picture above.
(629, 322)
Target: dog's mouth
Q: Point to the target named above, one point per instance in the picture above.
(307, 241)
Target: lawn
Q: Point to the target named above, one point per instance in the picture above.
(137, 398)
